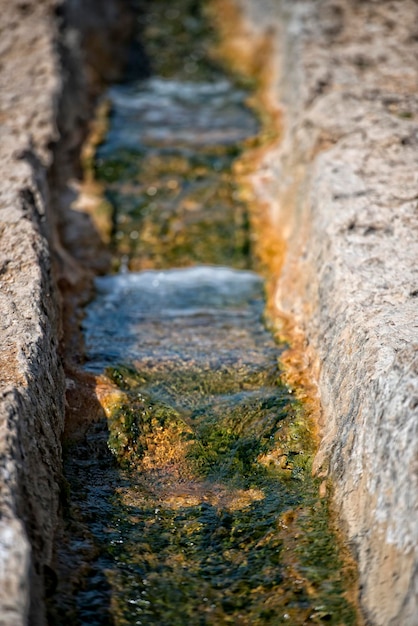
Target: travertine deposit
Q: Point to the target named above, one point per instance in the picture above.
(341, 189)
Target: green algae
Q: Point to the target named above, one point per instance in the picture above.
(195, 502)
(216, 497)
(214, 536)
(178, 38)
(184, 204)
(190, 383)
(216, 541)
(177, 189)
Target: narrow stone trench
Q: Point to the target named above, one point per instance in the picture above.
(190, 494)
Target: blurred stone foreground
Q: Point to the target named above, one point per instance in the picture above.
(342, 188)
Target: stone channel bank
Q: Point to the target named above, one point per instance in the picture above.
(340, 187)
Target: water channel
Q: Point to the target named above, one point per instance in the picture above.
(191, 501)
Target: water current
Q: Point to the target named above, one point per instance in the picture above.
(191, 500)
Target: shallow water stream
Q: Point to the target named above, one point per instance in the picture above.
(191, 501)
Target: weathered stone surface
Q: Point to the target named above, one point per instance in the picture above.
(31, 392)
(342, 189)
(45, 96)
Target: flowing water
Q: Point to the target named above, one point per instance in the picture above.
(191, 500)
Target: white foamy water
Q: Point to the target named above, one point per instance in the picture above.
(181, 314)
(171, 111)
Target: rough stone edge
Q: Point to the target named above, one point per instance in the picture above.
(355, 310)
(32, 389)
(56, 56)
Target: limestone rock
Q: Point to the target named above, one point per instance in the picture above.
(42, 44)
(341, 186)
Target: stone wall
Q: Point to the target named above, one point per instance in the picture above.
(341, 187)
(32, 381)
(54, 58)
